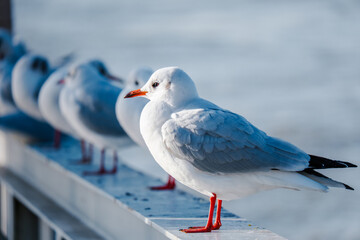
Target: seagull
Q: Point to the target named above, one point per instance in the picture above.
(128, 113)
(7, 104)
(49, 105)
(217, 152)
(88, 104)
(10, 52)
(28, 75)
(10, 48)
(50, 109)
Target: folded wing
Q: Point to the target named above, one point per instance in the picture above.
(219, 141)
(96, 108)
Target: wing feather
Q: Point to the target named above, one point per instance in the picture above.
(96, 107)
(219, 141)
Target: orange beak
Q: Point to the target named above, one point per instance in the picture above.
(135, 93)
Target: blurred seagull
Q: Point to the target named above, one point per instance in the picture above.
(217, 152)
(88, 104)
(11, 48)
(49, 105)
(10, 52)
(7, 104)
(28, 75)
(50, 108)
(128, 113)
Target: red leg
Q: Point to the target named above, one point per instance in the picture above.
(57, 139)
(101, 170)
(115, 162)
(217, 223)
(90, 152)
(85, 158)
(209, 224)
(170, 185)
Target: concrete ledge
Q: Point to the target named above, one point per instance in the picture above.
(115, 207)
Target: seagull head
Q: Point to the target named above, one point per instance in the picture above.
(87, 71)
(33, 68)
(169, 84)
(138, 77)
(80, 73)
(102, 69)
(39, 64)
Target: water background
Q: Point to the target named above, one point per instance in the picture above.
(292, 68)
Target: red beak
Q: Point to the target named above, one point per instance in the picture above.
(135, 93)
(61, 81)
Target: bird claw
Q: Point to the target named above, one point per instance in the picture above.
(196, 229)
(83, 161)
(170, 185)
(164, 187)
(216, 226)
(100, 172)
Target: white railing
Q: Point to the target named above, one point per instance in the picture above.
(71, 206)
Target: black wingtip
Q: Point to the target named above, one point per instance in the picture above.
(317, 162)
(351, 164)
(348, 187)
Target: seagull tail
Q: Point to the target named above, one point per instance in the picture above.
(322, 179)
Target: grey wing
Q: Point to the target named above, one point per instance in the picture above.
(219, 141)
(97, 109)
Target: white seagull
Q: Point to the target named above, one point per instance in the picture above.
(28, 75)
(88, 104)
(49, 106)
(128, 113)
(217, 152)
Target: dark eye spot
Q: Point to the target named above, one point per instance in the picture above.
(155, 84)
(35, 64)
(136, 83)
(102, 71)
(40, 64)
(44, 66)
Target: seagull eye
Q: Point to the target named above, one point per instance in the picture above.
(155, 84)
(102, 71)
(136, 83)
(35, 64)
(44, 67)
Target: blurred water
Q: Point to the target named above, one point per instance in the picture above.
(290, 67)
